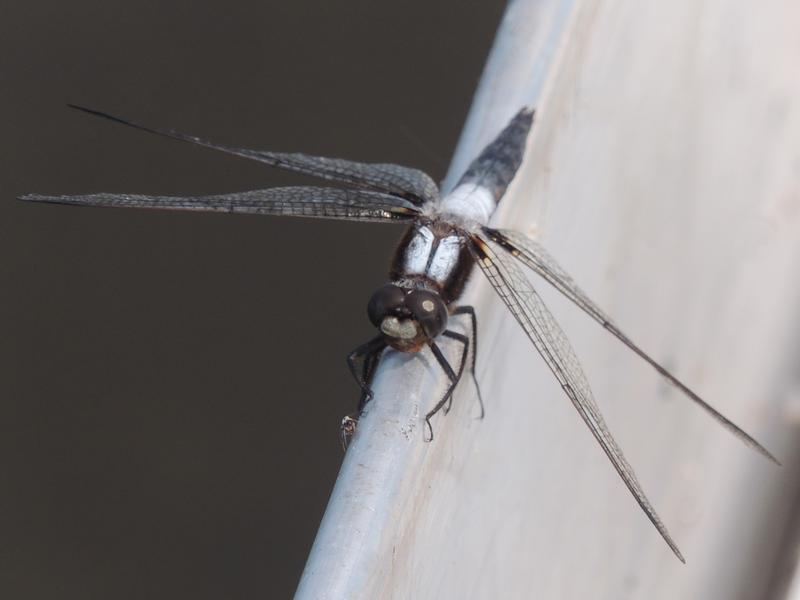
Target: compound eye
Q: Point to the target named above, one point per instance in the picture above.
(387, 300)
(428, 310)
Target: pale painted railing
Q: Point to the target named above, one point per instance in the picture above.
(664, 173)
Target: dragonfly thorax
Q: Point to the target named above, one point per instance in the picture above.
(408, 317)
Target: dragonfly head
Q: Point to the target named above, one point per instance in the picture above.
(407, 317)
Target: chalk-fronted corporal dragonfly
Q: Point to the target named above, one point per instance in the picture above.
(446, 238)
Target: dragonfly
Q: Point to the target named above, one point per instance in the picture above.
(447, 236)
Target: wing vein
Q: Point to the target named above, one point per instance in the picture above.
(535, 257)
(299, 201)
(405, 182)
(551, 343)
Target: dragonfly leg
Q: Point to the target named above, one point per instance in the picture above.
(464, 341)
(470, 310)
(451, 375)
(369, 354)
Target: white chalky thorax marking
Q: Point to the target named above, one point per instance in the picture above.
(422, 258)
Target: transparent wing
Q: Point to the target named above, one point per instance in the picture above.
(527, 307)
(320, 202)
(534, 256)
(412, 184)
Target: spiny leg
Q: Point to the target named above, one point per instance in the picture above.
(368, 371)
(365, 352)
(470, 310)
(369, 354)
(462, 339)
(451, 375)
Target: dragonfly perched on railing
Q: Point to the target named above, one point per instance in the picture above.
(447, 237)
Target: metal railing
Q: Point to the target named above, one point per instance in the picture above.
(652, 187)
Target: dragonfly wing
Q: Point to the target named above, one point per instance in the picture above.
(405, 182)
(534, 256)
(550, 341)
(320, 202)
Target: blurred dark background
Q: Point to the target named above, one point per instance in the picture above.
(172, 384)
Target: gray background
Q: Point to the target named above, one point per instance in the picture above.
(172, 384)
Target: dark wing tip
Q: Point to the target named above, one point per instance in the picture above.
(97, 113)
(120, 120)
(762, 450)
(84, 109)
(47, 199)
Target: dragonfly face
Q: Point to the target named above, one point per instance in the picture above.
(408, 318)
